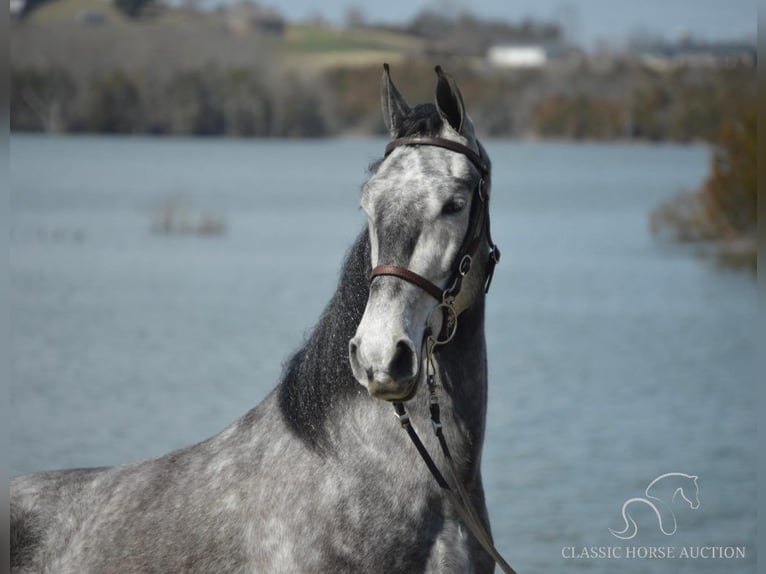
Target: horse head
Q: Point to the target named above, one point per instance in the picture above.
(419, 202)
(694, 501)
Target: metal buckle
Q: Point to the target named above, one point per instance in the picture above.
(449, 294)
(494, 258)
(404, 417)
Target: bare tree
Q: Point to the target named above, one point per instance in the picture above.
(133, 8)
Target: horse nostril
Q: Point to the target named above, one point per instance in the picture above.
(353, 355)
(357, 367)
(403, 362)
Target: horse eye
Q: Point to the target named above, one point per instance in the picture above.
(453, 206)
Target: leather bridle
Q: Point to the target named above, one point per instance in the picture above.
(478, 228)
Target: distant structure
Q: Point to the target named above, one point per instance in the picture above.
(526, 56)
(247, 16)
(517, 56)
(690, 54)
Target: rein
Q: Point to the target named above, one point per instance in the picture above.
(478, 227)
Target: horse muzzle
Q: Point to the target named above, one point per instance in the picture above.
(385, 388)
(388, 372)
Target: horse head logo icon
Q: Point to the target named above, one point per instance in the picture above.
(660, 495)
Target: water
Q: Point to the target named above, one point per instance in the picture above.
(613, 358)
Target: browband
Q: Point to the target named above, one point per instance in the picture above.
(475, 158)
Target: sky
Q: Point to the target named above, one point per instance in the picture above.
(591, 21)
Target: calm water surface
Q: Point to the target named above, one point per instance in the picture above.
(613, 358)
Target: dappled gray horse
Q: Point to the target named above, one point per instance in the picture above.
(320, 476)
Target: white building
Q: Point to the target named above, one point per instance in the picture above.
(16, 7)
(518, 56)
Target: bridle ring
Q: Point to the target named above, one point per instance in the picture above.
(451, 317)
(465, 265)
(482, 190)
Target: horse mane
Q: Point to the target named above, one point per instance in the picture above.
(318, 377)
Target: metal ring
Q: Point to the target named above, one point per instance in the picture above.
(448, 293)
(465, 265)
(450, 316)
(482, 191)
(495, 253)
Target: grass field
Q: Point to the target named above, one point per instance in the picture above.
(301, 46)
(69, 10)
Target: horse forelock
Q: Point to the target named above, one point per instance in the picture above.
(423, 120)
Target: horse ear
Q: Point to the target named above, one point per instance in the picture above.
(392, 103)
(449, 101)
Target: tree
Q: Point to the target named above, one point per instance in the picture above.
(41, 100)
(115, 104)
(133, 8)
(724, 210)
(30, 6)
(730, 193)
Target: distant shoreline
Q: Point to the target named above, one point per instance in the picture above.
(530, 139)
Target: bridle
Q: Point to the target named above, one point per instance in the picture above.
(478, 228)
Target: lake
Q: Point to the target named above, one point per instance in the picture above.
(614, 358)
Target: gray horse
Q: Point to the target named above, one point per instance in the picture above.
(319, 477)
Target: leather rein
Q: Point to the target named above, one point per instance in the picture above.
(478, 227)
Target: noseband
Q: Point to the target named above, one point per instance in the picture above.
(478, 226)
